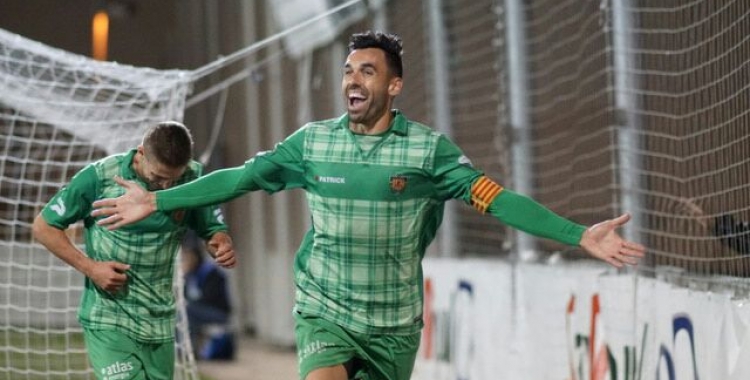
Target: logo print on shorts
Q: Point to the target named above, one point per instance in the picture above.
(117, 371)
(398, 183)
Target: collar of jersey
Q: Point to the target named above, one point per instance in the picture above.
(398, 125)
(126, 167)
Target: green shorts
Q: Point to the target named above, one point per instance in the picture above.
(372, 357)
(116, 356)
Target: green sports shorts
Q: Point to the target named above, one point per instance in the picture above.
(368, 357)
(116, 356)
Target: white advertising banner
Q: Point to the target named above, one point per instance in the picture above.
(687, 334)
(554, 304)
(467, 314)
(488, 320)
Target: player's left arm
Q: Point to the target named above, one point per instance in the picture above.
(460, 180)
(221, 248)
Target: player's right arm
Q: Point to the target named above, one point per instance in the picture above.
(69, 205)
(279, 169)
(107, 275)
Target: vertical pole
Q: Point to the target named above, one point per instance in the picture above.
(628, 132)
(442, 114)
(519, 118)
(628, 125)
(380, 21)
(518, 108)
(249, 215)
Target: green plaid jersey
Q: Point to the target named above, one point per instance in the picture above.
(145, 308)
(376, 205)
(374, 212)
(375, 208)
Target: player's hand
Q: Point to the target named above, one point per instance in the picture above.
(603, 242)
(136, 204)
(109, 275)
(222, 250)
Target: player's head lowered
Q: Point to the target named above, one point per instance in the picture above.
(164, 154)
(390, 44)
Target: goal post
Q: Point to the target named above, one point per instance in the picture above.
(58, 112)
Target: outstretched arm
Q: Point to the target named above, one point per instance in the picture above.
(137, 203)
(274, 171)
(601, 240)
(456, 178)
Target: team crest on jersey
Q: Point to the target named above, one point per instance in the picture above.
(398, 183)
(178, 215)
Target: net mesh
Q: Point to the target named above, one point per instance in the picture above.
(59, 112)
(640, 107)
(636, 106)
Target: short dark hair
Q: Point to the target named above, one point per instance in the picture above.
(390, 44)
(170, 143)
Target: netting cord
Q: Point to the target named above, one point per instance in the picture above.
(228, 82)
(220, 63)
(224, 85)
(216, 129)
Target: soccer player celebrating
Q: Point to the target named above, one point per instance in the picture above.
(128, 307)
(376, 183)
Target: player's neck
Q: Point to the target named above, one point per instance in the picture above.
(380, 126)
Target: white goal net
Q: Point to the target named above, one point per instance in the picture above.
(59, 112)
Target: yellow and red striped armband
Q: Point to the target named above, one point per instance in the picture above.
(483, 191)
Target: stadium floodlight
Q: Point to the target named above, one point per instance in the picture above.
(100, 35)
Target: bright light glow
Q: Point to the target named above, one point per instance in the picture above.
(100, 35)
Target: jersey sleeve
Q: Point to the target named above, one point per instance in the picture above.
(527, 215)
(206, 220)
(457, 179)
(272, 171)
(73, 202)
(453, 172)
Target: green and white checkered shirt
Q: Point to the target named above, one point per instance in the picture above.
(376, 204)
(145, 308)
(374, 212)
